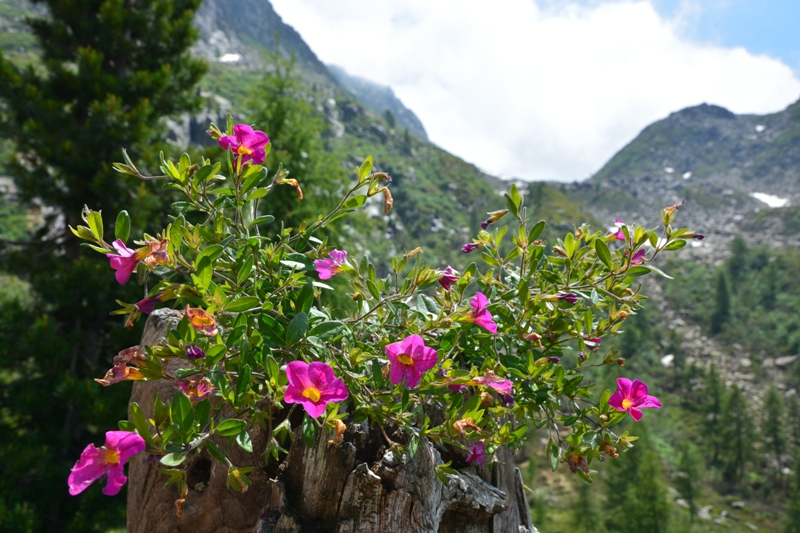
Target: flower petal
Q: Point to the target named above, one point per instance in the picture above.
(87, 469)
(635, 413)
(426, 359)
(297, 374)
(125, 443)
(314, 409)
(615, 401)
(116, 479)
(624, 387)
(229, 141)
(650, 402)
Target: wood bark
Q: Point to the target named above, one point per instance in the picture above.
(359, 486)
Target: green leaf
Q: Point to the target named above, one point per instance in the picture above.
(297, 328)
(355, 201)
(243, 440)
(140, 422)
(603, 253)
(659, 272)
(266, 219)
(377, 374)
(309, 431)
(122, 227)
(230, 427)
(202, 276)
(373, 290)
(327, 330)
(536, 231)
(242, 381)
(173, 459)
(637, 271)
(244, 272)
(242, 304)
(257, 193)
(512, 207)
(675, 245)
(366, 168)
(212, 252)
(95, 221)
(515, 196)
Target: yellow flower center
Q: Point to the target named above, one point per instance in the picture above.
(312, 393)
(627, 404)
(111, 457)
(405, 359)
(243, 150)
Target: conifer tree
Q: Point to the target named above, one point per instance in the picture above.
(715, 394)
(792, 517)
(737, 437)
(722, 303)
(772, 427)
(738, 260)
(688, 479)
(794, 422)
(637, 495)
(109, 70)
(283, 108)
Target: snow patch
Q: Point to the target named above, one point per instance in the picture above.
(769, 199)
(760, 128)
(230, 58)
(687, 175)
(669, 170)
(667, 360)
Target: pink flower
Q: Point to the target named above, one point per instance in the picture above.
(619, 235)
(410, 359)
(449, 276)
(481, 315)
(108, 460)
(494, 216)
(194, 352)
(470, 246)
(490, 379)
(246, 144)
(331, 265)
(568, 297)
(125, 263)
(638, 258)
(148, 305)
(631, 397)
(313, 386)
(477, 453)
(196, 390)
(592, 343)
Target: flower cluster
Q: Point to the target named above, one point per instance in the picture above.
(255, 341)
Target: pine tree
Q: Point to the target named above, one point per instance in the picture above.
(282, 107)
(714, 393)
(637, 495)
(794, 422)
(109, 71)
(738, 260)
(722, 303)
(688, 479)
(772, 427)
(792, 518)
(737, 437)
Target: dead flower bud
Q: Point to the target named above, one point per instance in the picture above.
(414, 252)
(560, 251)
(388, 201)
(338, 435)
(486, 399)
(534, 338)
(461, 426)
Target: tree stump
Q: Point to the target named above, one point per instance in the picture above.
(359, 486)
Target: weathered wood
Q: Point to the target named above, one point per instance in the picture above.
(359, 486)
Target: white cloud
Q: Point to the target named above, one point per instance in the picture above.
(538, 93)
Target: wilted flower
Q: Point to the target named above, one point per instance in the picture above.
(148, 305)
(486, 399)
(449, 276)
(157, 253)
(470, 246)
(481, 315)
(631, 397)
(461, 426)
(494, 216)
(508, 400)
(671, 209)
(578, 462)
(410, 359)
(638, 258)
(331, 265)
(388, 201)
(477, 453)
(202, 321)
(126, 260)
(196, 390)
(490, 379)
(246, 144)
(194, 352)
(338, 433)
(120, 372)
(106, 461)
(314, 386)
(697, 236)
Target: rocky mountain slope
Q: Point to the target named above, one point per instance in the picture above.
(729, 167)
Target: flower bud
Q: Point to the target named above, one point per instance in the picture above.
(470, 246)
(214, 132)
(697, 236)
(622, 315)
(388, 201)
(194, 352)
(494, 216)
(620, 361)
(560, 251)
(486, 399)
(414, 252)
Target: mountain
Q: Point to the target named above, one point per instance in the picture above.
(380, 98)
(720, 162)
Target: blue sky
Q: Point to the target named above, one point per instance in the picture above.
(769, 27)
(551, 89)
